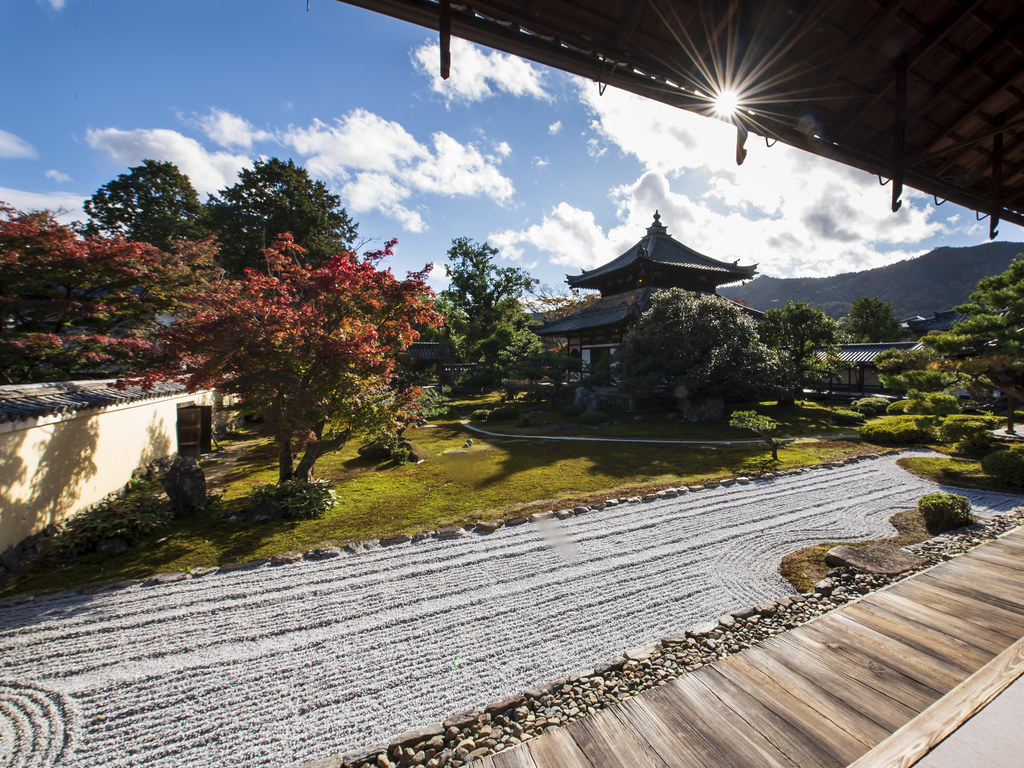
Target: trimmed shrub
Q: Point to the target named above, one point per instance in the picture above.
(870, 406)
(504, 413)
(593, 417)
(972, 434)
(299, 500)
(129, 517)
(941, 404)
(1006, 465)
(481, 414)
(571, 411)
(946, 510)
(846, 416)
(897, 408)
(898, 429)
(525, 419)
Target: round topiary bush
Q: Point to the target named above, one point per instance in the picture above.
(593, 417)
(847, 416)
(945, 510)
(972, 434)
(571, 411)
(897, 408)
(870, 406)
(941, 404)
(525, 419)
(1006, 465)
(481, 414)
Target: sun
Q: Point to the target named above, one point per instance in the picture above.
(726, 103)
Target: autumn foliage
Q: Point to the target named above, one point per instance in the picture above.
(73, 307)
(311, 348)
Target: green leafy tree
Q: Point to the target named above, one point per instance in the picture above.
(484, 306)
(985, 351)
(696, 346)
(798, 332)
(153, 203)
(872, 320)
(902, 370)
(760, 425)
(271, 198)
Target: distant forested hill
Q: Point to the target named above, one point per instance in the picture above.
(920, 286)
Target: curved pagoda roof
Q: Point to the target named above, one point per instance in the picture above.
(661, 261)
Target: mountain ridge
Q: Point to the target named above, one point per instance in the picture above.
(932, 282)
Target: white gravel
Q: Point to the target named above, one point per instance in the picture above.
(285, 664)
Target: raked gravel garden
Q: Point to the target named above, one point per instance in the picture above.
(342, 650)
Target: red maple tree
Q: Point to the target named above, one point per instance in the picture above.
(73, 307)
(311, 348)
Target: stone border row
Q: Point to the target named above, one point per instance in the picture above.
(446, 532)
(463, 738)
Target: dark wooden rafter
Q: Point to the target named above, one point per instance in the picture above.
(932, 38)
(815, 74)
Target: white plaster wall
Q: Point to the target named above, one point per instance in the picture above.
(54, 467)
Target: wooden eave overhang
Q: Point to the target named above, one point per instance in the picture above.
(923, 93)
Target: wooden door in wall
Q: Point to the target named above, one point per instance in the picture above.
(195, 430)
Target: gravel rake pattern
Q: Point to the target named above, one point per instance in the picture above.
(280, 665)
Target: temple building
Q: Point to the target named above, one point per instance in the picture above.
(627, 283)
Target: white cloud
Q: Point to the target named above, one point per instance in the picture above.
(569, 235)
(60, 178)
(69, 203)
(379, 164)
(56, 5)
(373, 190)
(555, 128)
(477, 75)
(595, 149)
(359, 141)
(230, 130)
(541, 162)
(209, 171)
(460, 169)
(12, 146)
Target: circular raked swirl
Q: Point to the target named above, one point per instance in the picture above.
(35, 726)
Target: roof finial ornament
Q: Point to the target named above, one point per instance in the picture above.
(657, 216)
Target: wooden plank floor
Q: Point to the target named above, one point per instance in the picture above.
(827, 693)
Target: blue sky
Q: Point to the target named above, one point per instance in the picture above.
(534, 161)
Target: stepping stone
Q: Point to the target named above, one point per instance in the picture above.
(874, 558)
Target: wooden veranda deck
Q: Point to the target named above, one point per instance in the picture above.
(874, 683)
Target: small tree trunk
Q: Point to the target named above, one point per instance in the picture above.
(316, 449)
(309, 456)
(1010, 403)
(284, 461)
(775, 449)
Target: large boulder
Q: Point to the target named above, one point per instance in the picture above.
(874, 558)
(185, 485)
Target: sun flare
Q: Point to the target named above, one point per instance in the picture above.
(726, 103)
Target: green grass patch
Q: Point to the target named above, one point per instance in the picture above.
(955, 471)
(495, 477)
(800, 420)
